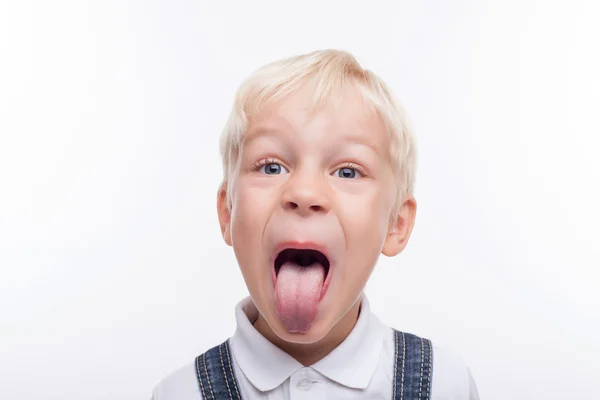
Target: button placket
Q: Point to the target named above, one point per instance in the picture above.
(304, 384)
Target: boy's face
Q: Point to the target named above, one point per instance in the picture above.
(320, 182)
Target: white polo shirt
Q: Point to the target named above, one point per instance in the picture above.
(361, 367)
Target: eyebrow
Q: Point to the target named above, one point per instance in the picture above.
(356, 139)
(262, 131)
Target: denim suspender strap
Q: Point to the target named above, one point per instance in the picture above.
(412, 368)
(214, 371)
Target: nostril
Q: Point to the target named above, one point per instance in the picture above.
(292, 205)
(315, 207)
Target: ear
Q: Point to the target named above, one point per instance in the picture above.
(224, 214)
(400, 228)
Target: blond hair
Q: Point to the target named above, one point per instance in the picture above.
(330, 71)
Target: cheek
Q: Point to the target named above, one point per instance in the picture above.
(370, 204)
(245, 241)
(366, 218)
(243, 220)
(249, 215)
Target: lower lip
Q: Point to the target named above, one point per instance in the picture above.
(325, 283)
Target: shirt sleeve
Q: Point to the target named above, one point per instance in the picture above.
(452, 378)
(473, 394)
(180, 385)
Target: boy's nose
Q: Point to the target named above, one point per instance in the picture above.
(306, 198)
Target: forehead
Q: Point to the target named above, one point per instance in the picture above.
(345, 113)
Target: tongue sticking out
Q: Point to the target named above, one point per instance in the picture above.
(298, 291)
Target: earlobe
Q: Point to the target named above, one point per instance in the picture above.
(400, 228)
(224, 214)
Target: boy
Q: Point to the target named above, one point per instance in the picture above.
(318, 179)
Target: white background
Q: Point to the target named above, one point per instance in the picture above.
(112, 269)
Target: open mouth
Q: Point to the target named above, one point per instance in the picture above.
(301, 278)
(303, 257)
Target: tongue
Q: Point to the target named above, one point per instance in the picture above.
(298, 291)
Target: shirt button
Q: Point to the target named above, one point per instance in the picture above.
(304, 384)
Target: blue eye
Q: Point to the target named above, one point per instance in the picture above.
(346, 172)
(273, 169)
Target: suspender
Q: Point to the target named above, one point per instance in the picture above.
(214, 371)
(412, 370)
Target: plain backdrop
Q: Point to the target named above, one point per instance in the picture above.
(112, 269)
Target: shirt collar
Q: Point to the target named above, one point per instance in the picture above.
(266, 366)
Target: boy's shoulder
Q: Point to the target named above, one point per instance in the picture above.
(452, 376)
(180, 384)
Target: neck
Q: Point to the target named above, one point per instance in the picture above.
(308, 354)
